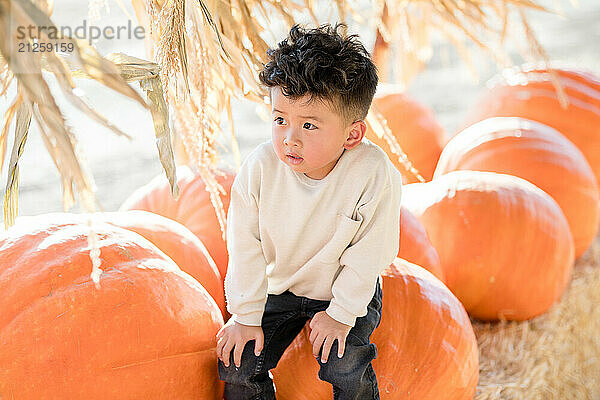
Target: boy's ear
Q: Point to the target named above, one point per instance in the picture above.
(355, 134)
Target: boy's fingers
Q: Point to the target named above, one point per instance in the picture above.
(341, 346)
(326, 349)
(220, 344)
(317, 345)
(313, 335)
(237, 353)
(258, 345)
(226, 353)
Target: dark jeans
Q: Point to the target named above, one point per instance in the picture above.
(351, 376)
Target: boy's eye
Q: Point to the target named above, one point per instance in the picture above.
(278, 119)
(307, 125)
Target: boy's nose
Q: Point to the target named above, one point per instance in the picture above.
(291, 139)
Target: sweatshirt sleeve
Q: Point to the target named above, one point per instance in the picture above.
(246, 278)
(371, 251)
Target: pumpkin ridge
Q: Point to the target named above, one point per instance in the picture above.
(161, 358)
(551, 94)
(569, 83)
(112, 282)
(583, 76)
(571, 88)
(66, 286)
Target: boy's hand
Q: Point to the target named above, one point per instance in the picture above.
(234, 335)
(324, 330)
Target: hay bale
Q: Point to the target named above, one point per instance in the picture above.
(553, 356)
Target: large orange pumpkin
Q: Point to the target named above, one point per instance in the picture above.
(177, 242)
(415, 245)
(416, 129)
(148, 331)
(528, 93)
(426, 348)
(537, 153)
(505, 246)
(192, 209)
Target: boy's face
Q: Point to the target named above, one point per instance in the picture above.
(310, 138)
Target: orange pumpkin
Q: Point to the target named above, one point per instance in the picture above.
(177, 242)
(415, 128)
(192, 209)
(148, 331)
(528, 93)
(426, 348)
(504, 244)
(415, 245)
(539, 154)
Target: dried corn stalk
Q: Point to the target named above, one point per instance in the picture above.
(410, 24)
(34, 99)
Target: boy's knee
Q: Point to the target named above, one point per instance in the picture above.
(348, 370)
(235, 375)
(244, 383)
(245, 372)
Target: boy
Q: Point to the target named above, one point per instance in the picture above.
(313, 220)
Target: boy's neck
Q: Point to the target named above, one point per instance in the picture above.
(332, 168)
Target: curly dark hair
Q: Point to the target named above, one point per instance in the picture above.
(325, 65)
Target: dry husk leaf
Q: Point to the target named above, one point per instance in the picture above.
(33, 94)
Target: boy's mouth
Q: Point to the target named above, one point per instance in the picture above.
(293, 159)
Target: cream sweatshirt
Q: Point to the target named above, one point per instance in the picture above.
(326, 239)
